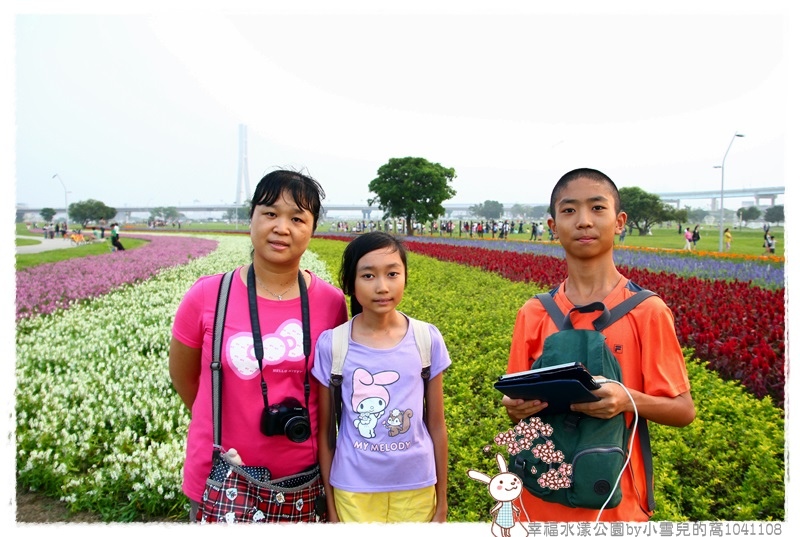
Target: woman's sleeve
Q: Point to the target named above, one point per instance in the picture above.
(188, 324)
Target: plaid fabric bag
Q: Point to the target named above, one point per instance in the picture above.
(236, 493)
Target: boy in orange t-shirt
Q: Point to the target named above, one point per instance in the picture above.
(585, 218)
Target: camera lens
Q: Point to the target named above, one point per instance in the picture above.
(298, 429)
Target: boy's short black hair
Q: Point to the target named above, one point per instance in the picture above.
(583, 173)
(306, 192)
(358, 248)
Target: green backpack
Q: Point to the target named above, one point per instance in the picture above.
(595, 450)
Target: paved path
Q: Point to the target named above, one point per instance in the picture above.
(44, 244)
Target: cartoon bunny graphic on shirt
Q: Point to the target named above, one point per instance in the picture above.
(370, 398)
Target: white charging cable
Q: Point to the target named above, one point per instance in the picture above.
(630, 446)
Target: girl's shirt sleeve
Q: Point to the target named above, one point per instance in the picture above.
(323, 358)
(440, 357)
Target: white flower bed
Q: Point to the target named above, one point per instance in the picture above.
(98, 421)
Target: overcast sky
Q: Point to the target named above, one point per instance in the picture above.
(140, 103)
(143, 107)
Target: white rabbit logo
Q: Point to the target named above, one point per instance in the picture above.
(504, 487)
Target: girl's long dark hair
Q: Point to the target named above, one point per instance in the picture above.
(358, 248)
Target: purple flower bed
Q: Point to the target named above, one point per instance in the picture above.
(762, 273)
(45, 288)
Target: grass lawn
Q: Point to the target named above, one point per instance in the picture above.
(31, 260)
(745, 241)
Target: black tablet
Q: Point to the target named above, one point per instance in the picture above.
(559, 385)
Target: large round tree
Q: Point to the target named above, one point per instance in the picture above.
(91, 210)
(645, 209)
(412, 188)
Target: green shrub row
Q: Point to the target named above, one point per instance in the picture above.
(727, 465)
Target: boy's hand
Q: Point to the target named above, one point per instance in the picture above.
(519, 409)
(613, 401)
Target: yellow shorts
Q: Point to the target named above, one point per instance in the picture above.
(417, 505)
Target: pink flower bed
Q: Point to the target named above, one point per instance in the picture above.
(45, 288)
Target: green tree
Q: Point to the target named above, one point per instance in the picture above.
(526, 211)
(167, 214)
(491, 210)
(89, 210)
(774, 214)
(697, 214)
(676, 215)
(47, 214)
(540, 212)
(644, 209)
(412, 188)
(748, 214)
(240, 213)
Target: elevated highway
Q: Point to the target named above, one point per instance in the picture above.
(757, 194)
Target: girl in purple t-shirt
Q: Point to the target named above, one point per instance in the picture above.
(390, 464)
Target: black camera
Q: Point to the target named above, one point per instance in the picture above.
(286, 418)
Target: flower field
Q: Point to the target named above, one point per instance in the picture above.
(736, 327)
(100, 426)
(98, 422)
(45, 288)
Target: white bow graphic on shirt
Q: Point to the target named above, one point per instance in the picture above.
(286, 344)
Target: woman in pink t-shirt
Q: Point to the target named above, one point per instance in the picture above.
(283, 216)
(688, 236)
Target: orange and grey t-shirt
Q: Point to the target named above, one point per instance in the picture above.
(651, 359)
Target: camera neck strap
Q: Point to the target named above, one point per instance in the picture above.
(258, 344)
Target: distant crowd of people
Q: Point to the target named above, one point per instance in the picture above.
(51, 231)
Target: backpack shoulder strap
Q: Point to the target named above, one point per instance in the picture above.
(339, 346)
(620, 310)
(340, 343)
(216, 353)
(605, 320)
(647, 458)
(563, 321)
(422, 336)
(552, 309)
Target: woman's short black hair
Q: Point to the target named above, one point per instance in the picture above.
(358, 248)
(306, 192)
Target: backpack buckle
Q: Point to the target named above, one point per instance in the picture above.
(571, 420)
(426, 372)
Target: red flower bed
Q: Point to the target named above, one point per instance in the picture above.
(736, 328)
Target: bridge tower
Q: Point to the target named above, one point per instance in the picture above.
(243, 192)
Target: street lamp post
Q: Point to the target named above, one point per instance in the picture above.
(722, 190)
(66, 206)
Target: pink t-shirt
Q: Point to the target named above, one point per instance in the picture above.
(242, 402)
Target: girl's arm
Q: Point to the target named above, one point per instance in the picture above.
(325, 454)
(438, 431)
(184, 370)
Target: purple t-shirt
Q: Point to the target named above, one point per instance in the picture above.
(242, 403)
(383, 444)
